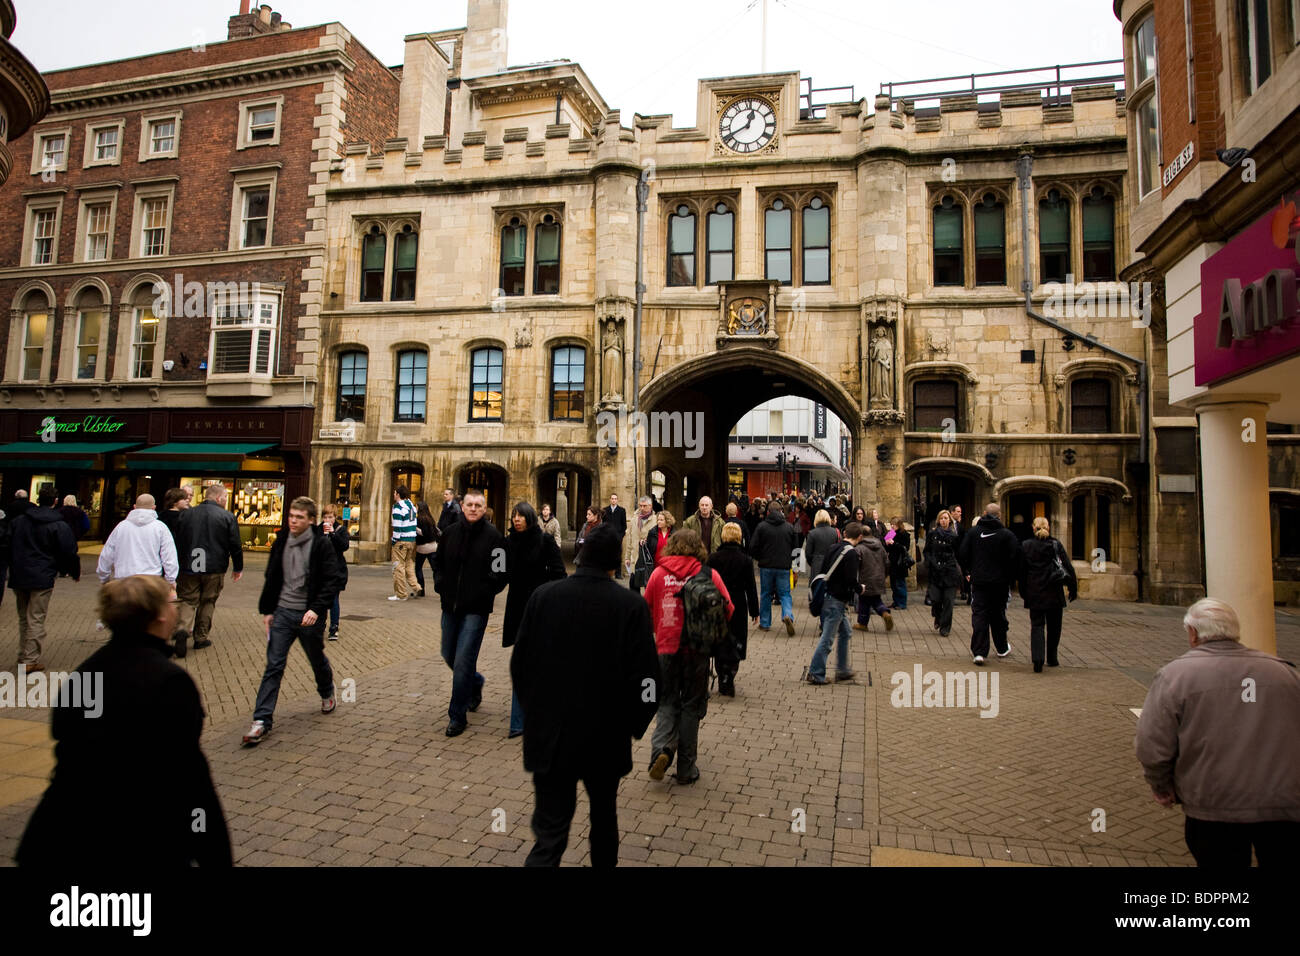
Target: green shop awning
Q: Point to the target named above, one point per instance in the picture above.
(73, 455)
(197, 455)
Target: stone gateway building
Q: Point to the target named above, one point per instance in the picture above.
(479, 324)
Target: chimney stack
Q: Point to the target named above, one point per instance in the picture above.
(264, 13)
(422, 99)
(485, 38)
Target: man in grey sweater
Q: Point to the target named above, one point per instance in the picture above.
(303, 575)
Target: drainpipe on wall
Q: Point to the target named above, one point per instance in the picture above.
(1024, 176)
(642, 195)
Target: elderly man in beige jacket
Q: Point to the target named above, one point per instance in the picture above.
(1218, 735)
(638, 526)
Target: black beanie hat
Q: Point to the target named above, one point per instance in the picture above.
(602, 550)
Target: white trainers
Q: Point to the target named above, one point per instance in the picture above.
(979, 659)
(255, 733)
(1006, 652)
(394, 597)
(327, 705)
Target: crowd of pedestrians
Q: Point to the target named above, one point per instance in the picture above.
(585, 684)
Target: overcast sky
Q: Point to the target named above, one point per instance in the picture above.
(643, 57)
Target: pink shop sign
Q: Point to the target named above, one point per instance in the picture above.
(1250, 298)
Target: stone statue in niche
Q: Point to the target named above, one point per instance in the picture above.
(611, 350)
(880, 376)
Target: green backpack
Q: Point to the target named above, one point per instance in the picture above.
(704, 627)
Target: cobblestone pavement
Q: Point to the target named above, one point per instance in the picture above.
(377, 782)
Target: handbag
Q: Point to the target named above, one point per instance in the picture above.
(1057, 575)
(817, 588)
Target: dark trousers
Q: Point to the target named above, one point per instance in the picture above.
(556, 798)
(1050, 619)
(727, 661)
(1227, 845)
(988, 612)
(420, 559)
(286, 627)
(941, 601)
(868, 603)
(683, 702)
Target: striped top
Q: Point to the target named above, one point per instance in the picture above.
(404, 520)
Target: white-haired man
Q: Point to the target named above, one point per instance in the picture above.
(1217, 734)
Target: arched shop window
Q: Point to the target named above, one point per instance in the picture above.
(346, 494)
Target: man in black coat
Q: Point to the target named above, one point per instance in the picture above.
(469, 571)
(41, 548)
(207, 542)
(772, 545)
(588, 682)
(131, 786)
(990, 557)
(304, 574)
(616, 516)
(450, 513)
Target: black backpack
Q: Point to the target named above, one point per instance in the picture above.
(704, 627)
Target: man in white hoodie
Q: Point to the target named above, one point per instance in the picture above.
(140, 544)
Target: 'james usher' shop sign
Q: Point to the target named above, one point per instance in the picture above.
(89, 427)
(1250, 303)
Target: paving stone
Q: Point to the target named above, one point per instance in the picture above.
(378, 783)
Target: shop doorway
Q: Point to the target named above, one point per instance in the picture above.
(490, 481)
(1022, 509)
(567, 489)
(935, 492)
(413, 477)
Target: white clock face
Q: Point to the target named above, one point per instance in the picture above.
(748, 124)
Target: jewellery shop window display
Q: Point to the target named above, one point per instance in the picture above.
(257, 505)
(259, 509)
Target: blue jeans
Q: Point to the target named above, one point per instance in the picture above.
(834, 619)
(285, 629)
(516, 714)
(899, 585)
(778, 580)
(334, 615)
(462, 636)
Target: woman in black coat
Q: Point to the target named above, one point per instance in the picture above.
(532, 559)
(736, 568)
(1045, 570)
(119, 797)
(944, 574)
(899, 549)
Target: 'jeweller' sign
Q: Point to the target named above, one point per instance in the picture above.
(1250, 304)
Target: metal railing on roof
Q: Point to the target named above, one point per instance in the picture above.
(1058, 80)
(816, 109)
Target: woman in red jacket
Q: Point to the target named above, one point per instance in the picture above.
(684, 684)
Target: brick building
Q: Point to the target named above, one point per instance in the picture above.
(1214, 136)
(163, 272)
